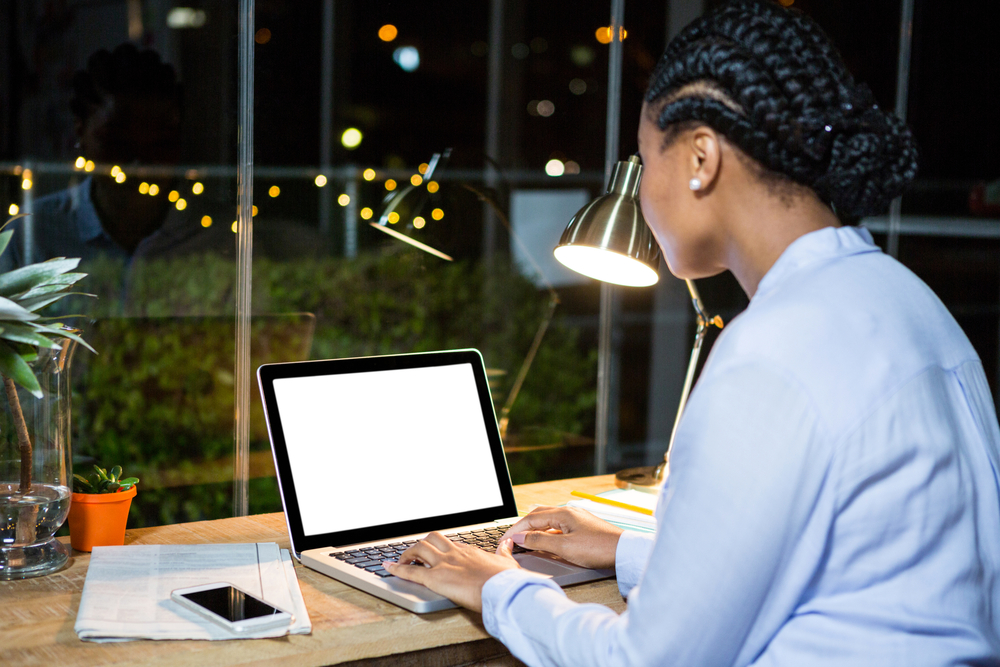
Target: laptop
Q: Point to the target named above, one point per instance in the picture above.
(373, 453)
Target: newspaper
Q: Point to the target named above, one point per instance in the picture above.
(126, 594)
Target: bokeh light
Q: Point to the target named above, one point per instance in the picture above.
(390, 185)
(320, 181)
(115, 170)
(206, 221)
(197, 188)
(416, 179)
(407, 57)
(418, 222)
(144, 188)
(262, 36)
(367, 213)
(174, 195)
(423, 167)
(80, 163)
(388, 32)
(274, 191)
(555, 167)
(344, 199)
(13, 209)
(351, 138)
(154, 189)
(603, 34)
(393, 217)
(369, 174)
(432, 186)
(437, 214)
(181, 204)
(89, 165)
(253, 211)
(120, 178)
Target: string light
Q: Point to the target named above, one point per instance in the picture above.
(369, 174)
(432, 186)
(80, 163)
(423, 168)
(120, 178)
(234, 226)
(393, 217)
(89, 165)
(181, 204)
(351, 138)
(115, 170)
(437, 214)
(388, 32)
(154, 189)
(418, 222)
(26, 184)
(173, 196)
(14, 209)
(274, 191)
(320, 181)
(254, 211)
(555, 167)
(390, 185)
(206, 221)
(144, 188)
(366, 213)
(603, 34)
(197, 188)
(416, 179)
(343, 200)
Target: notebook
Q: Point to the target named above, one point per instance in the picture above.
(373, 453)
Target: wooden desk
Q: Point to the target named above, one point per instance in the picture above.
(349, 627)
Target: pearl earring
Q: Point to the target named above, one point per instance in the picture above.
(695, 184)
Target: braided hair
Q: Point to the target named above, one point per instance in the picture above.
(768, 79)
(125, 71)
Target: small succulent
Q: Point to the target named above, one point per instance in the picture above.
(102, 481)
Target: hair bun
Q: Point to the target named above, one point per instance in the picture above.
(872, 159)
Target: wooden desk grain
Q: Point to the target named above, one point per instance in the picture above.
(349, 627)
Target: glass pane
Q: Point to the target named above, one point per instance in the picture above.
(119, 139)
(480, 145)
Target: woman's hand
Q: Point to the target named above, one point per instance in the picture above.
(569, 532)
(456, 571)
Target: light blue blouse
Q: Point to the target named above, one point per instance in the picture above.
(834, 494)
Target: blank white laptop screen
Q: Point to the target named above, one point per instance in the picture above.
(368, 449)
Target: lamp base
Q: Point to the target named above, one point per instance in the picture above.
(645, 478)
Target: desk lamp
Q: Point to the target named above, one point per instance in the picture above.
(608, 240)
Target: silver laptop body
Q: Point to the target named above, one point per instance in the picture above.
(373, 453)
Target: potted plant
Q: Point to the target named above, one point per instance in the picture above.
(99, 511)
(35, 355)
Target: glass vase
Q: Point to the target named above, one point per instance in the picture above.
(36, 482)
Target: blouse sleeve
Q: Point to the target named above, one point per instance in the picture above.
(745, 471)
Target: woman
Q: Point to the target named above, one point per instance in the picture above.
(833, 496)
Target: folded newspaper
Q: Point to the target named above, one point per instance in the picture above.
(126, 594)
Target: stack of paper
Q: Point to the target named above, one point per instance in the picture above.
(623, 518)
(127, 591)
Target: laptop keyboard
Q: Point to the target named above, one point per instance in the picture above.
(370, 558)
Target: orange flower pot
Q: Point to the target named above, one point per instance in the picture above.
(98, 519)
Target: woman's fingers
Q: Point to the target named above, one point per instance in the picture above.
(542, 518)
(422, 551)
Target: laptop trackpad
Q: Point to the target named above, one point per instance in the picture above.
(542, 565)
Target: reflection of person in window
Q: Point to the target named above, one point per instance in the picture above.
(127, 108)
(834, 494)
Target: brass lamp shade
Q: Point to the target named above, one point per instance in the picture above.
(608, 238)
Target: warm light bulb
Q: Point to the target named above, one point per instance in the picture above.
(423, 167)
(437, 214)
(369, 174)
(606, 266)
(274, 191)
(393, 217)
(390, 185)
(173, 196)
(13, 209)
(419, 222)
(253, 211)
(388, 32)
(181, 204)
(234, 226)
(206, 221)
(154, 189)
(197, 188)
(555, 168)
(26, 184)
(115, 170)
(89, 165)
(80, 163)
(120, 178)
(367, 213)
(432, 186)
(320, 181)
(344, 200)
(144, 188)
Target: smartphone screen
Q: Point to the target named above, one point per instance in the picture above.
(231, 604)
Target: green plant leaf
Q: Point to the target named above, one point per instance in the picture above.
(5, 239)
(57, 284)
(34, 275)
(57, 330)
(15, 368)
(22, 333)
(10, 310)
(37, 303)
(116, 472)
(128, 481)
(102, 474)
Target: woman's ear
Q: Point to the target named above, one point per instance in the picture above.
(705, 158)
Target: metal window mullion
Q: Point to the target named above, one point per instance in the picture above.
(244, 263)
